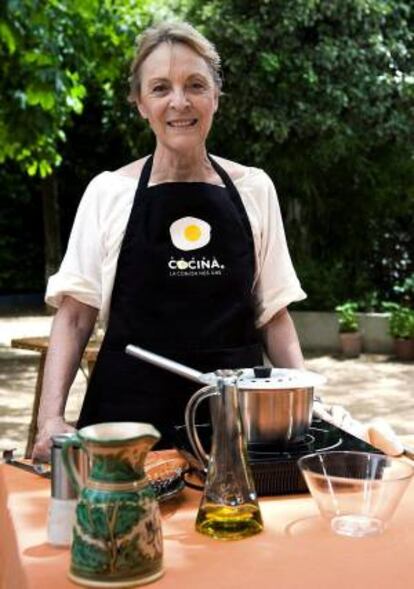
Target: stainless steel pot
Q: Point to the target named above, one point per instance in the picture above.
(276, 404)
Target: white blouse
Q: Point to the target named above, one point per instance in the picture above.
(88, 269)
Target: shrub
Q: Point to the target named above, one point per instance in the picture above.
(401, 323)
(348, 321)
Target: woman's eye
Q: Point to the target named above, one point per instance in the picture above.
(197, 86)
(159, 88)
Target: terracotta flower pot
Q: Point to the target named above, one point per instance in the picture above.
(404, 348)
(351, 344)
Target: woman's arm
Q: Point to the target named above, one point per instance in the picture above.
(71, 329)
(281, 341)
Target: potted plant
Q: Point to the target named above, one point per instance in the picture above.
(401, 325)
(349, 334)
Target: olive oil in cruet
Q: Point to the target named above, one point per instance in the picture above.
(229, 523)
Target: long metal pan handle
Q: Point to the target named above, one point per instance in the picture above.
(168, 364)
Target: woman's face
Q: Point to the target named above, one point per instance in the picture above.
(178, 96)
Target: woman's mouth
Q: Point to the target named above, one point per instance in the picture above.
(182, 123)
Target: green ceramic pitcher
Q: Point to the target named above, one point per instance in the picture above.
(117, 540)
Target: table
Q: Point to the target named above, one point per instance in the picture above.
(295, 551)
(41, 345)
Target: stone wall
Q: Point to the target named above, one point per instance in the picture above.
(318, 331)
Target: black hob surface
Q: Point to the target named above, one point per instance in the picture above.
(274, 467)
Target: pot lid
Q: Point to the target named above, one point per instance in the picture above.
(262, 377)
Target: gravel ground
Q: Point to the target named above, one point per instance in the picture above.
(370, 386)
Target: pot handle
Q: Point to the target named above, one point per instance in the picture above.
(190, 414)
(67, 459)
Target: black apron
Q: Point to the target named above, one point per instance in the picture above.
(183, 288)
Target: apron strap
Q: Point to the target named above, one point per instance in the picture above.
(236, 198)
(227, 181)
(145, 174)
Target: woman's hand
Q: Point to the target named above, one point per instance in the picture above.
(51, 427)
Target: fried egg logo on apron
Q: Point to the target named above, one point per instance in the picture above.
(189, 234)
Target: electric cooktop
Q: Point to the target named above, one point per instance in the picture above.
(274, 467)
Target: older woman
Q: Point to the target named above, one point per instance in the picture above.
(181, 252)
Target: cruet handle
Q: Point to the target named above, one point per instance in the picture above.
(190, 414)
(67, 458)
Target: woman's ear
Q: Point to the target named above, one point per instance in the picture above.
(141, 109)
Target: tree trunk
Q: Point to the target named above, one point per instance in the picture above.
(296, 228)
(51, 225)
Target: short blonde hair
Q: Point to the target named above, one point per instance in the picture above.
(172, 32)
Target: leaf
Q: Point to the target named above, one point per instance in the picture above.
(8, 37)
(74, 104)
(47, 100)
(37, 58)
(269, 62)
(45, 168)
(32, 96)
(40, 95)
(32, 168)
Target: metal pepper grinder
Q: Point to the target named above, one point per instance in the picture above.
(63, 499)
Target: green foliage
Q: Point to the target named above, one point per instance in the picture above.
(327, 282)
(328, 77)
(371, 302)
(321, 95)
(401, 322)
(348, 321)
(51, 53)
(40, 87)
(405, 290)
(55, 58)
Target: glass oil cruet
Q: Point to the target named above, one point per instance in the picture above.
(229, 509)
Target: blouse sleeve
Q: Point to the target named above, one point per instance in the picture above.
(277, 284)
(79, 275)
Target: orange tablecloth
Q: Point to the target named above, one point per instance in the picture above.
(296, 550)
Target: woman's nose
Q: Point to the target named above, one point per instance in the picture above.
(179, 99)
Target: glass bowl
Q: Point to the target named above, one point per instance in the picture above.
(357, 492)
